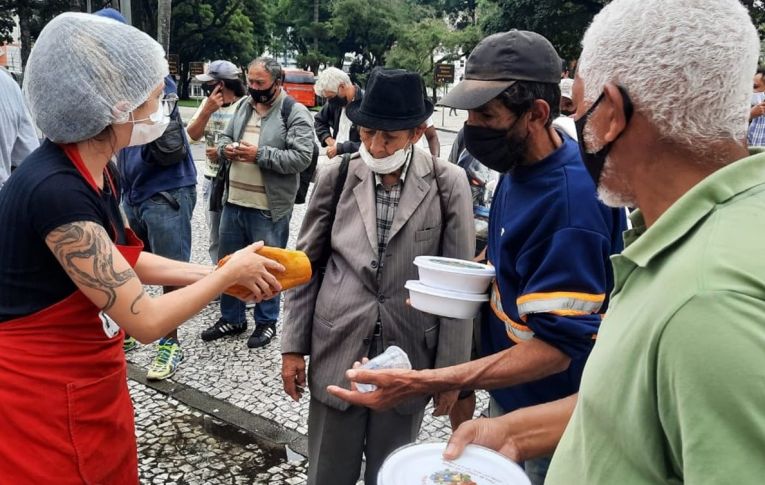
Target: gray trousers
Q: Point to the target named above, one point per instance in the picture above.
(213, 222)
(337, 439)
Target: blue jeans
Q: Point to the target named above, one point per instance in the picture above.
(165, 230)
(240, 226)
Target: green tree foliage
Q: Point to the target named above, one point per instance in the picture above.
(429, 42)
(369, 28)
(236, 30)
(32, 15)
(302, 27)
(563, 22)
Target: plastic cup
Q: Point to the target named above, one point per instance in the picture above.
(393, 358)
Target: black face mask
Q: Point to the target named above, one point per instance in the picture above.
(338, 101)
(594, 162)
(496, 148)
(263, 95)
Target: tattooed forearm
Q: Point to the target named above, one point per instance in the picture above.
(80, 242)
(137, 298)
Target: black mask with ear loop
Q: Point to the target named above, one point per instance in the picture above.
(594, 162)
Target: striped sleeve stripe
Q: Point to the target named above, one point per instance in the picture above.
(518, 333)
(560, 303)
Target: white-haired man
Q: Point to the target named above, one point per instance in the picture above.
(334, 129)
(673, 390)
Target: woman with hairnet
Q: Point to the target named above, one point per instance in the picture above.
(71, 273)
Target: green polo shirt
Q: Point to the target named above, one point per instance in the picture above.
(674, 390)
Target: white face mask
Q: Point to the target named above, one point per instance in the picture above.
(144, 133)
(389, 164)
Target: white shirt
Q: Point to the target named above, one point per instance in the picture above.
(18, 137)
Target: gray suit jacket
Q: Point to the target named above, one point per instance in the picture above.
(330, 323)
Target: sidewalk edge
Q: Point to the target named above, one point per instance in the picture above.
(264, 431)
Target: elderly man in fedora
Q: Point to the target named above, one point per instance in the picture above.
(377, 210)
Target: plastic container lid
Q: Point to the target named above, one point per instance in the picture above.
(416, 285)
(452, 265)
(423, 464)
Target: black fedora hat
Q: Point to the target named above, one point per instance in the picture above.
(394, 100)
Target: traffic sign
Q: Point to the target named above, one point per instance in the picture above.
(173, 62)
(196, 68)
(444, 73)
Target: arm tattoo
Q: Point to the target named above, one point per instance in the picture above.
(87, 241)
(132, 305)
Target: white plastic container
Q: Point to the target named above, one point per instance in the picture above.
(394, 357)
(423, 464)
(445, 303)
(454, 274)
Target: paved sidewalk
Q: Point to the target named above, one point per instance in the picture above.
(227, 370)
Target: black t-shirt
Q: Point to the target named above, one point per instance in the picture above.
(44, 193)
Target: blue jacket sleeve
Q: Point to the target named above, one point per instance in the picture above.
(564, 281)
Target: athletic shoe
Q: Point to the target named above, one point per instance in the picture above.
(129, 344)
(262, 335)
(169, 355)
(222, 328)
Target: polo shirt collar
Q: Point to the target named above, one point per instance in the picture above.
(643, 244)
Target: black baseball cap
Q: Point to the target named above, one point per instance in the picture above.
(498, 61)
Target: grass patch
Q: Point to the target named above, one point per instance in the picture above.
(189, 103)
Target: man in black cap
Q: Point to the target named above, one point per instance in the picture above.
(549, 240)
(385, 206)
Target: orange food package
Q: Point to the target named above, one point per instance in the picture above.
(296, 263)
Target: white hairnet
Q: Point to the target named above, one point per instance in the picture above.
(86, 72)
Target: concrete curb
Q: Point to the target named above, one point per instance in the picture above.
(263, 431)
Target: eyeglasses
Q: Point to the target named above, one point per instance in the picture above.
(165, 109)
(168, 103)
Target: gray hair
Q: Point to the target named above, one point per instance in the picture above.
(271, 65)
(667, 53)
(330, 79)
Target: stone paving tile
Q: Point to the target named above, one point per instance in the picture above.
(249, 379)
(179, 445)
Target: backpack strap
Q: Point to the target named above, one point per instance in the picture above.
(441, 201)
(287, 105)
(339, 185)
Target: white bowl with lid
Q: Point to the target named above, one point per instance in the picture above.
(454, 274)
(423, 464)
(444, 303)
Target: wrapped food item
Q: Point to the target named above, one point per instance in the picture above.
(297, 269)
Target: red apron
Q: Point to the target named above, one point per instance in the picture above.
(65, 412)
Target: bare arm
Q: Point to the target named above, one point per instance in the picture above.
(523, 434)
(100, 271)
(157, 270)
(196, 127)
(526, 362)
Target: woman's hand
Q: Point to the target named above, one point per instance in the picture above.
(254, 272)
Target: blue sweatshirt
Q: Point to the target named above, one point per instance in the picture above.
(142, 179)
(550, 240)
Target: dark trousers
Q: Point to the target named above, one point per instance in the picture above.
(338, 439)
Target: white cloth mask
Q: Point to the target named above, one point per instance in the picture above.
(389, 164)
(144, 133)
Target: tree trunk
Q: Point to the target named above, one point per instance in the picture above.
(316, 27)
(164, 11)
(25, 32)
